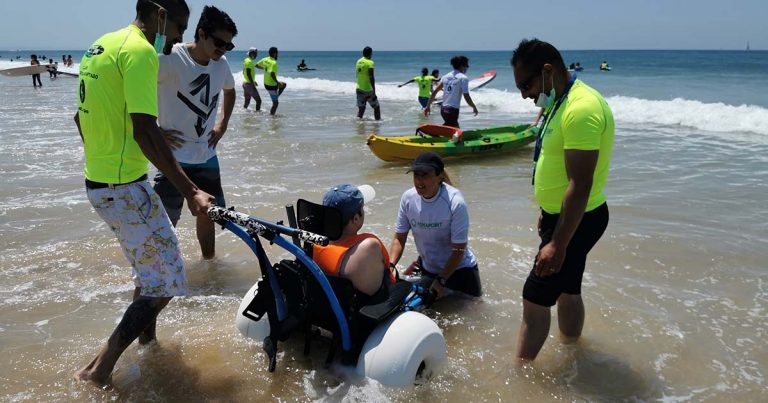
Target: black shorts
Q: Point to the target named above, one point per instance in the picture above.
(465, 279)
(544, 291)
(450, 116)
(207, 178)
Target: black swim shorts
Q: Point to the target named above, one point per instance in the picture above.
(450, 116)
(544, 291)
(206, 176)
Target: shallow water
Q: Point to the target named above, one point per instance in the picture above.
(675, 292)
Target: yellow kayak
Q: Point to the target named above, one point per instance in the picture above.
(473, 143)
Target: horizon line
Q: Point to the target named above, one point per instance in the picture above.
(456, 50)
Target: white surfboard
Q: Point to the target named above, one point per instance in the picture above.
(24, 71)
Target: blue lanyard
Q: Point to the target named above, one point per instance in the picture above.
(547, 119)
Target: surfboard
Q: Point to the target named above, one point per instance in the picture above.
(67, 74)
(24, 71)
(475, 83)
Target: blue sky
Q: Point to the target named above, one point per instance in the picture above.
(413, 25)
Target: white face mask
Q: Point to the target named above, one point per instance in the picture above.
(160, 38)
(546, 101)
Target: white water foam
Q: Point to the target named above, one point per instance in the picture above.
(693, 114)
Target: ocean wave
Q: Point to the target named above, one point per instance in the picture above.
(678, 112)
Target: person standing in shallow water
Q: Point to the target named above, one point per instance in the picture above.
(454, 85)
(117, 122)
(35, 77)
(274, 87)
(366, 85)
(249, 82)
(425, 85)
(571, 162)
(188, 115)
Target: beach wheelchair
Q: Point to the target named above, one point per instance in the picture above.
(385, 336)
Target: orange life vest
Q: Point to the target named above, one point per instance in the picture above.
(329, 257)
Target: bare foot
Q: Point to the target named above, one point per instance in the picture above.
(88, 375)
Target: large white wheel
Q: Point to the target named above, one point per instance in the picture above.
(395, 351)
(257, 330)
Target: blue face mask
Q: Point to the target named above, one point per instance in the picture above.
(546, 101)
(160, 38)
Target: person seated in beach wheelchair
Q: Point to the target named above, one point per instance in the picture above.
(376, 322)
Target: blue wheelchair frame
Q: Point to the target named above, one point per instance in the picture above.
(249, 229)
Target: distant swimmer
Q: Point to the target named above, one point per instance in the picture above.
(575, 67)
(425, 85)
(35, 77)
(454, 85)
(302, 66)
(69, 61)
(249, 83)
(274, 88)
(366, 85)
(604, 66)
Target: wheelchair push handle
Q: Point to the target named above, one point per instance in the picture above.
(263, 227)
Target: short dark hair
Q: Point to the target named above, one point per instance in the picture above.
(424, 71)
(212, 19)
(533, 54)
(367, 51)
(435, 71)
(176, 8)
(459, 61)
(272, 51)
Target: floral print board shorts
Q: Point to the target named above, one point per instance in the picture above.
(136, 215)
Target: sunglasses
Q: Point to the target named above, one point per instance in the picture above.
(526, 85)
(221, 44)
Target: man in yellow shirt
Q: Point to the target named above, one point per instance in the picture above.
(274, 88)
(571, 162)
(366, 85)
(117, 121)
(249, 81)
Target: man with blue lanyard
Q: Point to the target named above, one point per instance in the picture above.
(571, 163)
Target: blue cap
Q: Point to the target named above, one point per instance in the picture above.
(349, 199)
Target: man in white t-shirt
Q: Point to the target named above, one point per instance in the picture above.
(454, 85)
(190, 85)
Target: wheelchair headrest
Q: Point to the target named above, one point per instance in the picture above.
(322, 220)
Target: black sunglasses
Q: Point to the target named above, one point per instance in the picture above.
(221, 44)
(526, 85)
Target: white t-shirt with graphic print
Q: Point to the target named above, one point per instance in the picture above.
(188, 97)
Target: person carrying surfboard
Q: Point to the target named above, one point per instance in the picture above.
(35, 77)
(117, 122)
(571, 163)
(425, 85)
(454, 85)
(274, 87)
(190, 82)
